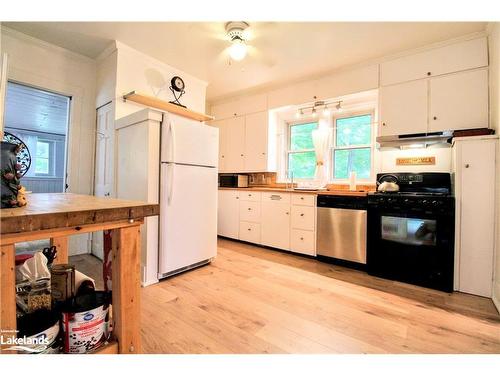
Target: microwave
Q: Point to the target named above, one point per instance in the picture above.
(233, 180)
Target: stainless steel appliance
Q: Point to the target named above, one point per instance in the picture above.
(233, 180)
(341, 229)
(411, 231)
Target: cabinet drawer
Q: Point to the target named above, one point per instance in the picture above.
(276, 197)
(304, 199)
(249, 232)
(302, 241)
(303, 217)
(252, 196)
(250, 211)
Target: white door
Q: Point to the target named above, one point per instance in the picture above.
(190, 142)
(477, 197)
(104, 161)
(188, 216)
(228, 217)
(256, 126)
(235, 160)
(275, 228)
(459, 101)
(403, 108)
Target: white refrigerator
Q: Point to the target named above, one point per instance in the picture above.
(188, 194)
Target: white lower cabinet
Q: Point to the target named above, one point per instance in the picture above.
(250, 232)
(275, 229)
(228, 216)
(302, 241)
(303, 217)
(284, 221)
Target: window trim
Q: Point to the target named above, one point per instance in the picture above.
(288, 151)
(50, 159)
(333, 145)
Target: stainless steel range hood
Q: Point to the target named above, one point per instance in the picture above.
(420, 140)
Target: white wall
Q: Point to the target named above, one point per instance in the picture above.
(37, 63)
(139, 72)
(494, 55)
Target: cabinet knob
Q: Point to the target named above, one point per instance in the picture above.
(241, 154)
(435, 118)
(222, 156)
(235, 114)
(249, 209)
(384, 124)
(302, 238)
(263, 153)
(467, 165)
(428, 73)
(249, 229)
(301, 198)
(237, 197)
(288, 213)
(301, 214)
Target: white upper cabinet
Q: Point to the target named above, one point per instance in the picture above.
(459, 101)
(234, 144)
(256, 141)
(223, 134)
(449, 59)
(240, 106)
(403, 108)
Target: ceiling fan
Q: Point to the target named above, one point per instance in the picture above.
(235, 31)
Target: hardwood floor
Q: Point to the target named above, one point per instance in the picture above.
(256, 300)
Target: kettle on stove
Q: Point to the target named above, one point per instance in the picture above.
(388, 183)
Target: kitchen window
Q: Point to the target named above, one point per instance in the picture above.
(301, 158)
(44, 158)
(352, 146)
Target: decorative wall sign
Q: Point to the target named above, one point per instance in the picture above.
(418, 160)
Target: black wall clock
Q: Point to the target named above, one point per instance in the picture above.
(177, 86)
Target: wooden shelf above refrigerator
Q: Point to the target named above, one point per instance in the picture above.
(166, 106)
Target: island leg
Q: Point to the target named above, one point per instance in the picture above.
(7, 294)
(61, 244)
(126, 284)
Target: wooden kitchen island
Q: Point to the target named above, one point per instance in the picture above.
(57, 216)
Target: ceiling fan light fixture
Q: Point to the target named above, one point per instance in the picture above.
(238, 49)
(236, 34)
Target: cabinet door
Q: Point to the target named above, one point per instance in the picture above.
(303, 217)
(459, 101)
(228, 220)
(475, 172)
(224, 110)
(256, 127)
(235, 147)
(222, 125)
(275, 228)
(403, 108)
(455, 57)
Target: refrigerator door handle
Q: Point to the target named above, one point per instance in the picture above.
(172, 140)
(170, 184)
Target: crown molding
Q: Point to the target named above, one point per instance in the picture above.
(46, 45)
(318, 75)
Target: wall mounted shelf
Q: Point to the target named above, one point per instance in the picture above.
(150, 101)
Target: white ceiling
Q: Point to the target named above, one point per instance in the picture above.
(280, 51)
(36, 110)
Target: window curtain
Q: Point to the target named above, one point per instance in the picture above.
(321, 138)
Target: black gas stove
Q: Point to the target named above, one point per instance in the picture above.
(411, 231)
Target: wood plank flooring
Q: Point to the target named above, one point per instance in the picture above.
(256, 300)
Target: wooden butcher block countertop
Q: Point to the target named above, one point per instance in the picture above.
(60, 210)
(357, 193)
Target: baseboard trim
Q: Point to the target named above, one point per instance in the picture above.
(496, 302)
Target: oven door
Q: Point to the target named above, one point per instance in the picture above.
(413, 247)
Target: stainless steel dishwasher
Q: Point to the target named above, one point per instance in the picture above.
(341, 229)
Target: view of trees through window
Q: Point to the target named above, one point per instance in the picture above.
(352, 149)
(42, 157)
(301, 156)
